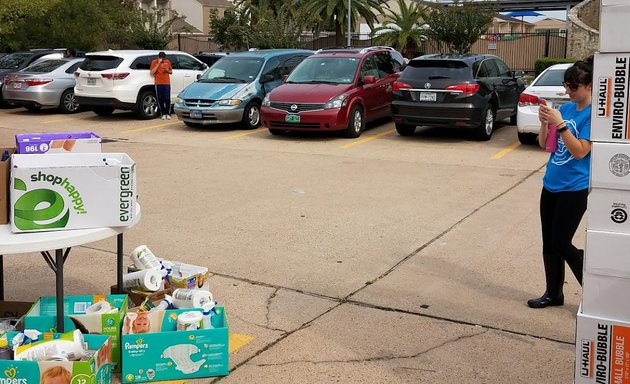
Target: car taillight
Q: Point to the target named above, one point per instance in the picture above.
(34, 82)
(467, 89)
(398, 85)
(77, 74)
(525, 99)
(115, 76)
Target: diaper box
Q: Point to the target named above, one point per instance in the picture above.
(154, 350)
(72, 191)
(58, 142)
(602, 350)
(104, 320)
(138, 297)
(94, 370)
(610, 166)
(5, 179)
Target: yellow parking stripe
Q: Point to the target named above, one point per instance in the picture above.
(369, 138)
(505, 151)
(152, 127)
(238, 341)
(58, 120)
(244, 134)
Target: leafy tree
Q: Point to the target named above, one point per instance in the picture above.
(335, 12)
(459, 26)
(404, 30)
(17, 15)
(229, 31)
(150, 32)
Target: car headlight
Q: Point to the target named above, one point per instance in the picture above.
(179, 100)
(337, 102)
(266, 102)
(230, 102)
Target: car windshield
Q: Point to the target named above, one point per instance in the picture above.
(334, 70)
(437, 69)
(233, 70)
(551, 78)
(45, 66)
(13, 60)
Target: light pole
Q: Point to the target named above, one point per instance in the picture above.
(349, 21)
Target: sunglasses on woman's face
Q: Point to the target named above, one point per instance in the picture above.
(571, 86)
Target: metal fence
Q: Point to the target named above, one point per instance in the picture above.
(519, 50)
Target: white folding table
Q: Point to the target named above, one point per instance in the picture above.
(61, 242)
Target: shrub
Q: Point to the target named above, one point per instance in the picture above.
(545, 62)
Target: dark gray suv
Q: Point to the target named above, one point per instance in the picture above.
(469, 91)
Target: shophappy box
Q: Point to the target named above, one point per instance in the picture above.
(94, 370)
(58, 142)
(43, 317)
(72, 191)
(5, 179)
(157, 351)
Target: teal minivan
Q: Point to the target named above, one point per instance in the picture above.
(232, 89)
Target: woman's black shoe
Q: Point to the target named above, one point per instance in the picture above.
(546, 301)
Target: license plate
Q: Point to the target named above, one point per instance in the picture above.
(195, 114)
(292, 118)
(428, 96)
(17, 85)
(91, 81)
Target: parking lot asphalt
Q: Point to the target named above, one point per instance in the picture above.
(382, 259)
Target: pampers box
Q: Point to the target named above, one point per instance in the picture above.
(93, 370)
(43, 317)
(154, 350)
(72, 191)
(61, 142)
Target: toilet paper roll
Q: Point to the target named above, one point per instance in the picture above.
(189, 321)
(190, 298)
(145, 280)
(99, 307)
(143, 258)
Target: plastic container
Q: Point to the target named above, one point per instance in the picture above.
(551, 143)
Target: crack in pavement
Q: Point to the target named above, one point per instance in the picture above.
(258, 325)
(378, 358)
(269, 299)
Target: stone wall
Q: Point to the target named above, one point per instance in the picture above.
(583, 25)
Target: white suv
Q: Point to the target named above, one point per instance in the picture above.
(111, 80)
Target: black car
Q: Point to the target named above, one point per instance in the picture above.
(13, 62)
(470, 91)
(210, 57)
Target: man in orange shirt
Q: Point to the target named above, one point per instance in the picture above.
(161, 69)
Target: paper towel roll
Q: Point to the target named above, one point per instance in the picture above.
(189, 321)
(190, 298)
(102, 306)
(143, 258)
(145, 280)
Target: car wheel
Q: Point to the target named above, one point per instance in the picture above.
(513, 118)
(276, 132)
(356, 123)
(147, 106)
(68, 103)
(251, 115)
(484, 130)
(405, 130)
(527, 138)
(103, 111)
(33, 108)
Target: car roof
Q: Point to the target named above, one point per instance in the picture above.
(134, 52)
(351, 51)
(560, 66)
(468, 58)
(268, 52)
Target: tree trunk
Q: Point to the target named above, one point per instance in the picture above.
(339, 36)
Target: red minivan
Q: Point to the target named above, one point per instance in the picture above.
(334, 90)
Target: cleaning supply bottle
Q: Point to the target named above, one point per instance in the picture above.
(190, 298)
(206, 320)
(164, 304)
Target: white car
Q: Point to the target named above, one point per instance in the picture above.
(547, 86)
(111, 80)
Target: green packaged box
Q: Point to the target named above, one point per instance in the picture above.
(43, 317)
(96, 369)
(156, 351)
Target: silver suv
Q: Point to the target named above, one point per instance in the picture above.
(111, 80)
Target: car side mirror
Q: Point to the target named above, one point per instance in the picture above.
(369, 79)
(284, 78)
(518, 74)
(198, 76)
(266, 78)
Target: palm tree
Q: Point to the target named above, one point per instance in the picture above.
(336, 12)
(404, 30)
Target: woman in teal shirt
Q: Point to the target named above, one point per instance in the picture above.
(565, 184)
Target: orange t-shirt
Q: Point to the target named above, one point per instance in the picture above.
(162, 74)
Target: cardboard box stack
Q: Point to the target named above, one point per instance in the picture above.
(603, 322)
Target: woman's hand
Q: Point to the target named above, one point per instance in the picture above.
(550, 115)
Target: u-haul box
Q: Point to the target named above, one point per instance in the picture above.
(608, 210)
(602, 350)
(610, 166)
(609, 112)
(72, 191)
(614, 16)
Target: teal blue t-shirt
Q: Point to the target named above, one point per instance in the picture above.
(564, 172)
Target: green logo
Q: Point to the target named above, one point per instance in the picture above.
(37, 208)
(129, 378)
